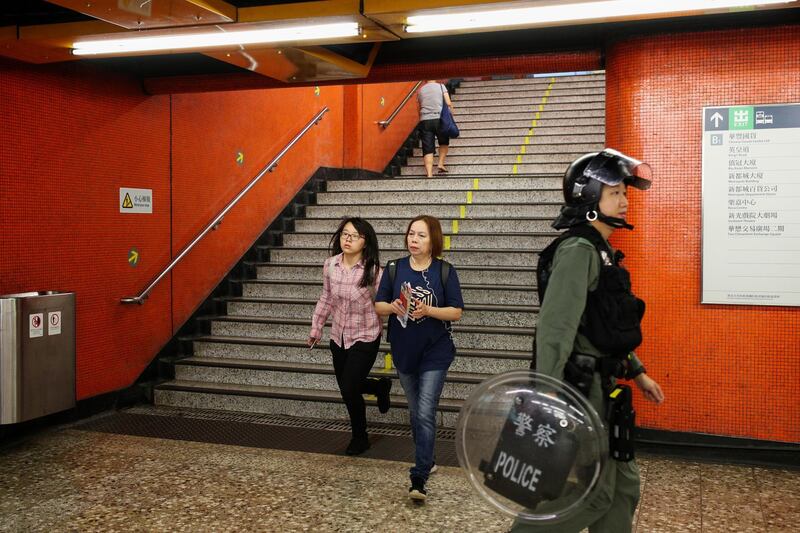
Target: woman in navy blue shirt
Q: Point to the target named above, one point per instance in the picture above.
(423, 350)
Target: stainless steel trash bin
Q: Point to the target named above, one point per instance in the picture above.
(37, 354)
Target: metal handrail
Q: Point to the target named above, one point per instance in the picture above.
(388, 121)
(218, 219)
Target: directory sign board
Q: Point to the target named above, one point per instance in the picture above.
(751, 205)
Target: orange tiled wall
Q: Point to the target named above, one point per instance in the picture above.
(378, 102)
(727, 370)
(209, 130)
(73, 135)
(68, 143)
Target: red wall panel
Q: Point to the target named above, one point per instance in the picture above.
(68, 143)
(380, 144)
(728, 370)
(208, 132)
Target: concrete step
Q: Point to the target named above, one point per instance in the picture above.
(459, 258)
(544, 137)
(504, 275)
(306, 376)
(471, 336)
(401, 197)
(498, 168)
(441, 211)
(546, 109)
(486, 131)
(325, 405)
(493, 94)
(456, 159)
(547, 116)
(467, 86)
(513, 148)
(389, 225)
(496, 313)
(446, 183)
(458, 241)
(523, 121)
(310, 290)
(527, 100)
(235, 348)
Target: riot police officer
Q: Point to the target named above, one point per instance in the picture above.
(582, 283)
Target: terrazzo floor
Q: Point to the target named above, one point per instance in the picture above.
(67, 479)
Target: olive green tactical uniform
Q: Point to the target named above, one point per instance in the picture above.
(574, 272)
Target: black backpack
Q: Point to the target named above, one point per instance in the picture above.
(613, 313)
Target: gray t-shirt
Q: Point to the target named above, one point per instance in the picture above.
(431, 100)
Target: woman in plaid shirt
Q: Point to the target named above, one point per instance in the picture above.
(350, 279)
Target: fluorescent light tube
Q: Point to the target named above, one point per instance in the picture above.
(566, 13)
(211, 39)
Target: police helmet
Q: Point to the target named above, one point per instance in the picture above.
(583, 185)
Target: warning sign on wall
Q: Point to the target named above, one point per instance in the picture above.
(36, 322)
(54, 323)
(135, 200)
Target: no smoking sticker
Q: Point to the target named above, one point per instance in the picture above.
(54, 323)
(36, 322)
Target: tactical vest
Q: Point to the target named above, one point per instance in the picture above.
(613, 314)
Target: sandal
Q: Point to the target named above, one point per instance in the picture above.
(442, 170)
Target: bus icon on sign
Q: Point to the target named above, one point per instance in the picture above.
(763, 118)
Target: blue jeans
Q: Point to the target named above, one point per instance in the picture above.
(422, 392)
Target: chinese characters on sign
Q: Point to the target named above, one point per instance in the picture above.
(751, 194)
(135, 200)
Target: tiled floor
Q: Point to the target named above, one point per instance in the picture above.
(66, 479)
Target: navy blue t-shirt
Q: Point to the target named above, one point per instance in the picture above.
(424, 344)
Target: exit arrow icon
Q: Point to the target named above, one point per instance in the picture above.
(715, 118)
(239, 157)
(133, 257)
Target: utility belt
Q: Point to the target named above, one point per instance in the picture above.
(579, 372)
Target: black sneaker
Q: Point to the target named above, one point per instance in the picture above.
(417, 492)
(357, 446)
(384, 388)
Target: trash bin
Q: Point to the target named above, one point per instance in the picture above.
(37, 354)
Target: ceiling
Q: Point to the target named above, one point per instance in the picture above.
(42, 32)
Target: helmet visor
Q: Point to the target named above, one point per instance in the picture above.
(612, 167)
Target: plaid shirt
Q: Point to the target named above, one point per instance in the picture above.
(352, 307)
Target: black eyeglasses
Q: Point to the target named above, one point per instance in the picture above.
(351, 236)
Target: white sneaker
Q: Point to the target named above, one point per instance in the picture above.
(434, 468)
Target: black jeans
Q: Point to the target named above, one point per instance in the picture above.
(428, 131)
(352, 366)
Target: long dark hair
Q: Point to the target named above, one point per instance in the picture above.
(370, 253)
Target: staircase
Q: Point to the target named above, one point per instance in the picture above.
(496, 205)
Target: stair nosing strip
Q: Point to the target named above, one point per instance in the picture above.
(294, 343)
(445, 404)
(307, 368)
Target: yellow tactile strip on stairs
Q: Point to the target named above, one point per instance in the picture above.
(476, 183)
(532, 130)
